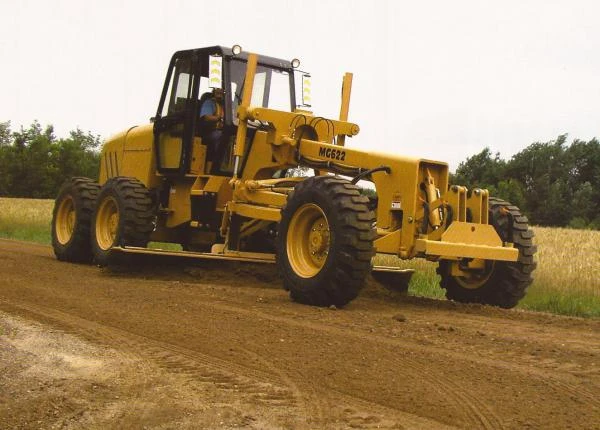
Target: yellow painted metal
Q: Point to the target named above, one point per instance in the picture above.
(388, 243)
(107, 223)
(250, 191)
(253, 226)
(208, 184)
(457, 199)
(215, 184)
(138, 156)
(477, 203)
(474, 275)
(402, 182)
(472, 233)
(180, 209)
(111, 150)
(284, 125)
(345, 105)
(468, 240)
(170, 148)
(463, 267)
(448, 250)
(255, 211)
(308, 240)
(289, 139)
(431, 193)
(197, 165)
(260, 163)
(131, 154)
(240, 141)
(65, 220)
(218, 185)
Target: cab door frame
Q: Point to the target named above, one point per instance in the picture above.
(179, 124)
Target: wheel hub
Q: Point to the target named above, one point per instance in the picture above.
(107, 223)
(472, 278)
(308, 240)
(65, 220)
(319, 238)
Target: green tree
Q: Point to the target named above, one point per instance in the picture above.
(512, 191)
(4, 133)
(552, 182)
(34, 163)
(481, 170)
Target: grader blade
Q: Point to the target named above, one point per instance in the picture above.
(393, 278)
(252, 257)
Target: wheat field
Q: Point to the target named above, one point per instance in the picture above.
(566, 281)
(26, 219)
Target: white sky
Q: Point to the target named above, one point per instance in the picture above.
(436, 79)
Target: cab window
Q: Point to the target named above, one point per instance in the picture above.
(180, 88)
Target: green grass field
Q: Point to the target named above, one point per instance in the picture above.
(567, 280)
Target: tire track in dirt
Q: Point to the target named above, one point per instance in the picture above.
(135, 404)
(473, 409)
(513, 370)
(352, 414)
(232, 377)
(259, 387)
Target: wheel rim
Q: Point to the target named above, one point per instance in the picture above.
(308, 240)
(107, 223)
(476, 279)
(65, 220)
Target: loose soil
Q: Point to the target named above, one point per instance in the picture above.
(160, 344)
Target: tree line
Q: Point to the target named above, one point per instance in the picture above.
(34, 162)
(554, 183)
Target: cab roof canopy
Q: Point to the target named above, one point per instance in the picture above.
(227, 52)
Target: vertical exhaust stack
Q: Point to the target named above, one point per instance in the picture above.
(345, 107)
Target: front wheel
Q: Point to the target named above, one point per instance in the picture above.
(497, 283)
(325, 241)
(124, 216)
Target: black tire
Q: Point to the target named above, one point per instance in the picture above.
(349, 235)
(71, 219)
(135, 220)
(506, 282)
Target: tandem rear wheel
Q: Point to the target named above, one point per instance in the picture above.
(71, 219)
(124, 216)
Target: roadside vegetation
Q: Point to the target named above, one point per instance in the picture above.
(26, 219)
(567, 280)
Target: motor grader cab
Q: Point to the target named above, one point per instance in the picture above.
(163, 183)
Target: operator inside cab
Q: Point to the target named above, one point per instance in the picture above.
(211, 117)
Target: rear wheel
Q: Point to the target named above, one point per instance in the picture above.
(71, 220)
(325, 241)
(124, 216)
(497, 283)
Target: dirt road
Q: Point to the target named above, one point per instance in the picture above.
(221, 346)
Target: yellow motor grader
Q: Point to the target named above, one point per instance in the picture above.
(245, 195)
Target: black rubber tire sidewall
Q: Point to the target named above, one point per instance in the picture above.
(342, 276)
(84, 192)
(509, 280)
(128, 233)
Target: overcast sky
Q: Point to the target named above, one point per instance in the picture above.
(434, 79)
